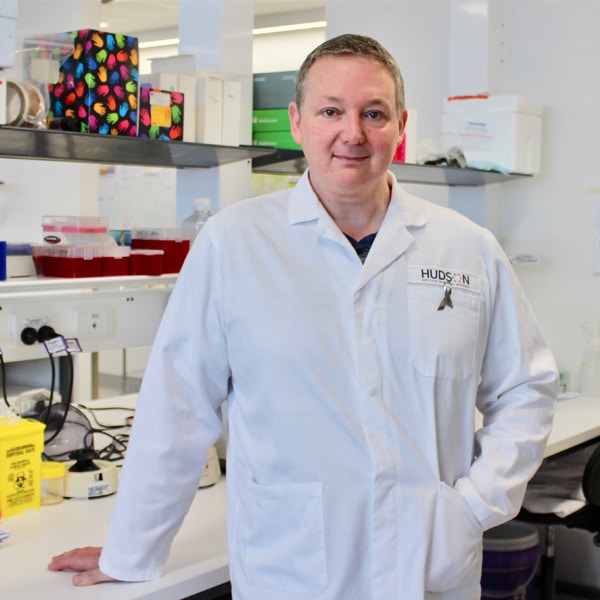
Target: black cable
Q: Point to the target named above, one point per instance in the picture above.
(111, 408)
(44, 334)
(116, 449)
(112, 452)
(67, 402)
(3, 369)
(52, 385)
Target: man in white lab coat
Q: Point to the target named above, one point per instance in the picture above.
(354, 329)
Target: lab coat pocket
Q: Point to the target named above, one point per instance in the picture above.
(282, 539)
(443, 341)
(456, 543)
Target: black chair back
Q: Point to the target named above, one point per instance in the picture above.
(591, 478)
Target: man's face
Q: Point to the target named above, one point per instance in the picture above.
(349, 127)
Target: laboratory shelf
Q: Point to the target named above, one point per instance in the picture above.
(293, 162)
(44, 144)
(81, 285)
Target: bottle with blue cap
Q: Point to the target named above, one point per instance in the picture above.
(193, 224)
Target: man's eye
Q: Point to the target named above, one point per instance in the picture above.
(329, 112)
(373, 114)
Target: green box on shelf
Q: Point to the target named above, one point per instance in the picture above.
(274, 90)
(275, 139)
(276, 119)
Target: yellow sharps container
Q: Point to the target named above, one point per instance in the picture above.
(21, 447)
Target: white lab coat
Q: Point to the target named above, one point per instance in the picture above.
(354, 471)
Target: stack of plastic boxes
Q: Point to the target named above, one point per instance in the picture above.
(79, 247)
(272, 93)
(154, 249)
(83, 247)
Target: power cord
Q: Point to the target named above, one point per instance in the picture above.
(3, 369)
(31, 336)
(46, 335)
(115, 450)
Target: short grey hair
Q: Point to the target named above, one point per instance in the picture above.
(350, 44)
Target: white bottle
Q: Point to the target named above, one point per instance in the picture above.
(590, 365)
(194, 223)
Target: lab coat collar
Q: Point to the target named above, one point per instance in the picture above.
(305, 206)
(393, 238)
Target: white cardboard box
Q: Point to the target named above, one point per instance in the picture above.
(209, 117)
(188, 87)
(232, 112)
(495, 132)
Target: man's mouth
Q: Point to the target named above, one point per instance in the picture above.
(351, 157)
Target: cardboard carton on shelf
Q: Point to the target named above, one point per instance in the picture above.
(501, 132)
(161, 114)
(97, 85)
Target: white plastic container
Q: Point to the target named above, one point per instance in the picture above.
(173, 241)
(53, 482)
(80, 231)
(495, 131)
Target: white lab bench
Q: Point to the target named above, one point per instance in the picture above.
(198, 560)
(576, 422)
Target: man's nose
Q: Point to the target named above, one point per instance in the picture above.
(354, 129)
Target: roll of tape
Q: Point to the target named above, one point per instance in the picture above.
(24, 105)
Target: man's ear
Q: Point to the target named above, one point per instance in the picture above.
(402, 125)
(294, 114)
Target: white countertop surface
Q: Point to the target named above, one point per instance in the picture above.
(198, 558)
(577, 421)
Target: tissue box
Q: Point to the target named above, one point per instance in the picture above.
(502, 132)
(21, 446)
(161, 114)
(98, 84)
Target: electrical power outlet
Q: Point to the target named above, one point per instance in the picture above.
(93, 323)
(29, 328)
(35, 322)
